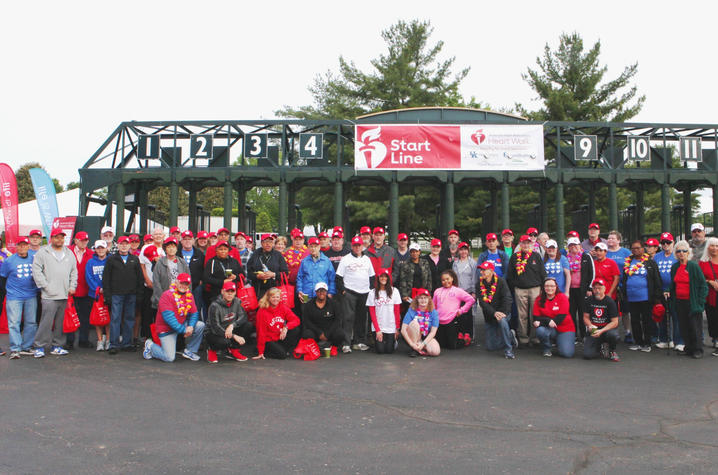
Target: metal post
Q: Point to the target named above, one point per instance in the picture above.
(715, 210)
(282, 205)
(640, 205)
(505, 205)
(192, 211)
(560, 228)
(666, 208)
(292, 221)
(543, 200)
(174, 198)
(120, 210)
(144, 215)
(393, 208)
(338, 201)
(449, 208)
(227, 213)
(494, 224)
(592, 202)
(242, 224)
(612, 204)
(687, 211)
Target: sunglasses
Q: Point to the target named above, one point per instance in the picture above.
(666, 242)
(229, 290)
(533, 234)
(680, 251)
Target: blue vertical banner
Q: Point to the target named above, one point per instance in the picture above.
(46, 199)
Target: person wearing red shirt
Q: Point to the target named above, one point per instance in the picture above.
(83, 302)
(277, 327)
(294, 255)
(606, 269)
(552, 320)
(688, 291)
(222, 235)
(709, 266)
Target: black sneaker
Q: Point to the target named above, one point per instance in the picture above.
(84, 344)
(413, 354)
(113, 351)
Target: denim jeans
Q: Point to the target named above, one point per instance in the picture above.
(166, 351)
(122, 320)
(565, 341)
(498, 335)
(18, 311)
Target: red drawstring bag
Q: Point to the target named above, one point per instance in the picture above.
(333, 351)
(3, 321)
(658, 312)
(307, 349)
(100, 314)
(155, 336)
(247, 296)
(287, 292)
(71, 322)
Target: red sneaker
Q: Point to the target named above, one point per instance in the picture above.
(211, 356)
(467, 339)
(237, 355)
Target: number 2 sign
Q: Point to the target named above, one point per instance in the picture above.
(200, 146)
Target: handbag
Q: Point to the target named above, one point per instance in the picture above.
(71, 322)
(247, 295)
(100, 314)
(287, 291)
(3, 321)
(307, 349)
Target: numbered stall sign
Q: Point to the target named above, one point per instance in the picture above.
(639, 148)
(311, 145)
(255, 145)
(691, 149)
(148, 146)
(200, 146)
(585, 147)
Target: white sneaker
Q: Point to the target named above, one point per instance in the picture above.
(662, 345)
(362, 347)
(107, 344)
(346, 349)
(100, 346)
(634, 347)
(680, 347)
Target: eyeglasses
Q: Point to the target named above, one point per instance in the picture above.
(678, 251)
(533, 234)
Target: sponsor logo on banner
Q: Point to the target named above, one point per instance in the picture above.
(449, 147)
(67, 224)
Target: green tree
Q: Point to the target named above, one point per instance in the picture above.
(25, 190)
(570, 84)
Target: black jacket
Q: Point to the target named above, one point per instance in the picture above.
(120, 278)
(196, 266)
(321, 320)
(220, 315)
(655, 283)
(274, 262)
(533, 276)
(500, 303)
(436, 269)
(214, 273)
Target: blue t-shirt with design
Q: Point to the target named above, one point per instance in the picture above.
(496, 259)
(18, 271)
(664, 264)
(619, 256)
(637, 284)
(555, 268)
(188, 255)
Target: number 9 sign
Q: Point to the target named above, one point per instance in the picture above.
(585, 147)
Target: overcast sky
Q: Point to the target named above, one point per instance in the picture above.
(72, 71)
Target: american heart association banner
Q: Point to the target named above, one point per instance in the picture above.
(449, 147)
(46, 199)
(9, 199)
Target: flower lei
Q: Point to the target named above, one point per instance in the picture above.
(574, 262)
(521, 259)
(182, 300)
(488, 295)
(629, 269)
(423, 319)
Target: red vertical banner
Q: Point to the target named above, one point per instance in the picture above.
(8, 199)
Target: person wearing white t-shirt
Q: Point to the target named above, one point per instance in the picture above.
(384, 303)
(355, 276)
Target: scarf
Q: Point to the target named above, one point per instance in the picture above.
(183, 301)
(488, 295)
(632, 269)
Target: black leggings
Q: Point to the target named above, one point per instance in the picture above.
(335, 337)
(280, 348)
(690, 325)
(219, 342)
(575, 299)
(712, 317)
(641, 322)
(448, 334)
(387, 343)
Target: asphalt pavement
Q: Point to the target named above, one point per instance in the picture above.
(467, 411)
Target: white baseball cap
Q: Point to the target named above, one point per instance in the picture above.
(107, 229)
(414, 246)
(601, 245)
(551, 243)
(698, 226)
(100, 243)
(321, 285)
(573, 240)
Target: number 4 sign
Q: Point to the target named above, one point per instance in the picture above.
(311, 145)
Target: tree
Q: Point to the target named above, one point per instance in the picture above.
(25, 190)
(570, 84)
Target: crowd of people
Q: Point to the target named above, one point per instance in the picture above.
(215, 294)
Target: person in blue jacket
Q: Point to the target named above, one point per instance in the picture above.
(314, 268)
(494, 255)
(93, 276)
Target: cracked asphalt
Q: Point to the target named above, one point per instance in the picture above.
(467, 411)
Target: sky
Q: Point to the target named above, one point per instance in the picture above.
(73, 70)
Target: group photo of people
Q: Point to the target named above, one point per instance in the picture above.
(221, 296)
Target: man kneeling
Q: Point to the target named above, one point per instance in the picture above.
(601, 320)
(176, 314)
(228, 326)
(322, 319)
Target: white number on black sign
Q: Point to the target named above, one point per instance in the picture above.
(584, 147)
(639, 148)
(311, 145)
(200, 146)
(148, 146)
(255, 145)
(690, 148)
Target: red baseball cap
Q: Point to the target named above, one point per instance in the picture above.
(266, 236)
(402, 237)
(82, 236)
(211, 234)
(594, 225)
(202, 235)
(598, 281)
(187, 233)
(531, 231)
(229, 286)
(184, 278)
(313, 240)
(169, 240)
(297, 235)
(339, 228)
(524, 237)
(453, 231)
(174, 229)
(23, 240)
(223, 230)
(436, 242)
(365, 230)
(463, 244)
(492, 236)
(378, 230)
(323, 234)
(507, 231)
(249, 238)
(487, 265)
(56, 232)
(151, 252)
(572, 234)
(384, 271)
(134, 238)
(418, 292)
(238, 234)
(222, 243)
(356, 240)
(652, 242)
(122, 239)
(667, 237)
(35, 231)
(148, 237)
(337, 234)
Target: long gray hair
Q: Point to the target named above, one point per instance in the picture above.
(711, 241)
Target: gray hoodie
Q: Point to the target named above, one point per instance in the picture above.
(162, 278)
(55, 277)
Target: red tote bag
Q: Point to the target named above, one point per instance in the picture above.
(100, 314)
(3, 321)
(72, 321)
(287, 292)
(247, 295)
